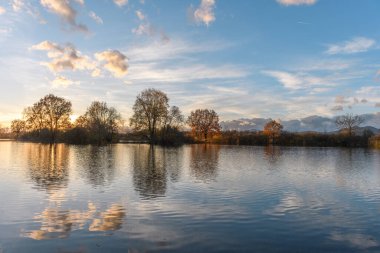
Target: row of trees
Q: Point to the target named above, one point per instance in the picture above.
(48, 120)
(153, 119)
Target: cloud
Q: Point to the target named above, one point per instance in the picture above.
(146, 28)
(120, 3)
(341, 100)
(63, 9)
(2, 10)
(61, 81)
(377, 105)
(140, 15)
(337, 108)
(95, 17)
(116, 62)
(17, 5)
(294, 81)
(204, 13)
(296, 2)
(356, 45)
(64, 57)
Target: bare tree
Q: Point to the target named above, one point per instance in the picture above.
(349, 122)
(174, 118)
(100, 120)
(272, 129)
(51, 112)
(17, 127)
(34, 117)
(57, 113)
(204, 123)
(150, 112)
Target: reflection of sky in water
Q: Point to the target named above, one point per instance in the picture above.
(194, 198)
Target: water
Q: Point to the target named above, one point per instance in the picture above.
(133, 198)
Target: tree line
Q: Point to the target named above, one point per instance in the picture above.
(155, 121)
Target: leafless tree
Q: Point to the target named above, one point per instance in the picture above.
(151, 110)
(204, 123)
(100, 120)
(51, 112)
(17, 127)
(349, 122)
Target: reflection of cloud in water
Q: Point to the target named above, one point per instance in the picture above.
(360, 241)
(111, 219)
(59, 223)
(290, 202)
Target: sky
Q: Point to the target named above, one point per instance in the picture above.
(280, 59)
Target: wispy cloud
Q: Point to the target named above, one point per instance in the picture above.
(204, 14)
(95, 17)
(297, 2)
(65, 11)
(356, 45)
(2, 10)
(146, 28)
(61, 81)
(294, 81)
(120, 3)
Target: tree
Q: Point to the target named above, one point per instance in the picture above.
(34, 117)
(150, 112)
(272, 129)
(57, 113)
(349, 122)
(17, 127)
(203, 123)
(101, 121)
(51, 113)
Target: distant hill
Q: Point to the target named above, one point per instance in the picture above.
(309, 124)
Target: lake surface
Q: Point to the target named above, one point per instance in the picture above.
(196, 198)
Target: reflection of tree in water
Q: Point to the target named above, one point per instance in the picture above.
(272, 153)
(173, 161)
(48, 165)
(97, 164)
(57, 222)
(204, 161)
(149, 171)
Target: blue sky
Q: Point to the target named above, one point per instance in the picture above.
(284, 59)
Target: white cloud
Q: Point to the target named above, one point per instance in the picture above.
(205, 12)
(63, 9)
(140, 15)
(95, 17)
(116, 62)
(296, 2)
(61, 81)
(64, 57)
(120, 3)
(356, 45)
(17, 5)
(296, 81)
(341, 100)
(2, 10)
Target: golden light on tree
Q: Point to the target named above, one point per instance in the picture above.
(204, 123)
(272, 129)
(17, 127)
